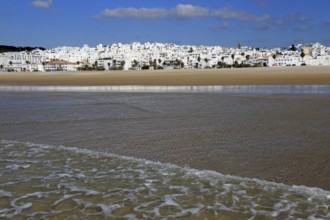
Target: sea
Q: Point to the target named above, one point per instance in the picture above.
(144, 152)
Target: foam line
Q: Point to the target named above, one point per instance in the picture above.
(203, 174)
(271, 89)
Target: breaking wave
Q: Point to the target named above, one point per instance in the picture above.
(45, 181)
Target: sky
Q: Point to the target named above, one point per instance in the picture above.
(255, 23)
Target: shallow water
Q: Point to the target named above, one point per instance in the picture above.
(280, 137)
(263, 89)
(44, 181)
(277, 137)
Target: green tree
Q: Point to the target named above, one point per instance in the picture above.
(100, 68)
(177, 62)
(274, 56)
(293, 48)
(199, 59)
(182, 64)
(302, 55)
(190, 50)
(247, 57)
(122, 64)
(135, 63)
(1, 66)
(196, 66)
(207, 62)
(222, 64)
(145, 67)
(10, 63)
(233, 57)
(95, 65)
(155, 64)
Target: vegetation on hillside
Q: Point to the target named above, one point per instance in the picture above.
(5, 48)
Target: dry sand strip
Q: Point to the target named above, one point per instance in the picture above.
(305, 75)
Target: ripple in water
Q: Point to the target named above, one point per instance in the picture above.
(273, 89)
(41, 181)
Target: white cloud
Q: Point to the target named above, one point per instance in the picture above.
(135, 12)
(263, 22)
(224, 25)
(259, 22)
(267, 21)
(231, 13)
(182, 10)
(302, 28)
(42, 4)
(293, 17)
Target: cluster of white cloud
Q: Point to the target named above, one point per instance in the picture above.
(42, 4)
(180, 10)
(135, 12)
(268, 21)
(230, 13)
(262, 22)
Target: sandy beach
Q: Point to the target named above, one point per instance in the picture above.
(306, 75)
(255, 151)
(205, 131)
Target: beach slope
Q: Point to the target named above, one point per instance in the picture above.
(305, 75)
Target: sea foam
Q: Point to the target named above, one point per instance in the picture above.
(81, 182)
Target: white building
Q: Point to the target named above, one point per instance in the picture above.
(190, 55)
(286, 60)
(60, 65)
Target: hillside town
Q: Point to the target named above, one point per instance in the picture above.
(138, 56)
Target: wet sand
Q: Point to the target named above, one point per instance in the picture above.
(306, 75)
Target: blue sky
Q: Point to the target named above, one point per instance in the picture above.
(256, 23)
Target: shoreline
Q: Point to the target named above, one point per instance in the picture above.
(306, 75)
(224, 89)
(278, 138)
